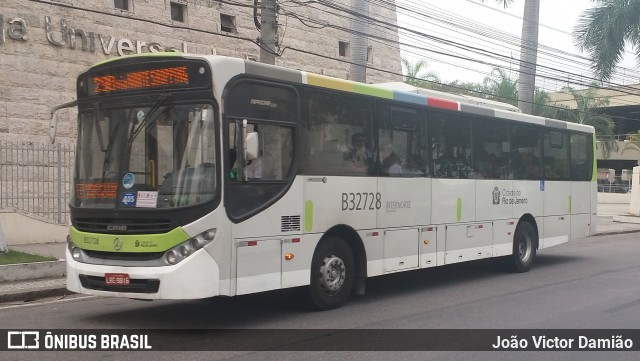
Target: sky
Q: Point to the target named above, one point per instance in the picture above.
(560, 66)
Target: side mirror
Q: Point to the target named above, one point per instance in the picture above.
(53, 127)
(53, 121)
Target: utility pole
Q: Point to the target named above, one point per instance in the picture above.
(359, 42)
(268, 31)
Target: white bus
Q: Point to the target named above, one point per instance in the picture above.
(200, 176)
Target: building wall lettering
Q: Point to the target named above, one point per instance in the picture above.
(76, 38)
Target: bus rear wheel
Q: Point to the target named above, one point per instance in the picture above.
(525, 243)
(332, 274)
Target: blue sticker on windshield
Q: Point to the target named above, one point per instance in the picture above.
(129, 199)
(128, 180)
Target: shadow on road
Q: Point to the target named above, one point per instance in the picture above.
(279, 307)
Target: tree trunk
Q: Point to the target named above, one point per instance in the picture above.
(528, 55)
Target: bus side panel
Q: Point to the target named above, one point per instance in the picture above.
(329, 201)
(580, 209)
(258, 266)
(428, 247)
(594, 208)
(405, 202)
(529, 198)
(490, 201)
(557, 218)
(468, 242)
(259, 245)
(492, 205)
(454, 200)
(270, 222)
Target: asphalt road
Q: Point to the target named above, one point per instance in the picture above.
(588, 284)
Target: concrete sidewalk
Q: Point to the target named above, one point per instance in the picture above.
(29, 282)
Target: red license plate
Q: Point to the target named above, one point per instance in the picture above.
(117, 279)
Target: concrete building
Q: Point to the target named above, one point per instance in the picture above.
(45, 44)
(624, 109)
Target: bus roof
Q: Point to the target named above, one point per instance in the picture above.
(392, 91)
(449, 96)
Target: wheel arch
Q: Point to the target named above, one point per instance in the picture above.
(529, 218)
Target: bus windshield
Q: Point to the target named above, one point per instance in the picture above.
(150, 156)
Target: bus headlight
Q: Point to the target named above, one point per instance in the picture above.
(75, 251)
(185, 249)
(172, 257)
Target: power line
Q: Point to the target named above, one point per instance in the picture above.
(254, 42)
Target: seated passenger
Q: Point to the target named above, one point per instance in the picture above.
(389, 161)
(358, 153)
(414, 166)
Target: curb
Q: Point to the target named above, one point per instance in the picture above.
(27, 282)
(610, 233)
(30, 271)
(34, 294)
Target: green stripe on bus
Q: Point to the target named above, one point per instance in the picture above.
(459, 210)
(373, 91)
(308, 216)
(594, 176)
(136, 243)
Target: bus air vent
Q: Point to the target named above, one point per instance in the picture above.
(290, 223)
(123, 226)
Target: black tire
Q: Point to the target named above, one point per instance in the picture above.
(332, 274)
(525, 244)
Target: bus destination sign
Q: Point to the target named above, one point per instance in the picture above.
(139, 80)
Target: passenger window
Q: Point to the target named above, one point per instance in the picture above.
(338, 139)
(526, 152)
(581, 157)
(556, 155)
(403, 143)
(451, 145)
(492, 149)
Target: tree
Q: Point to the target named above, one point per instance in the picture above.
(587, 101)
(528, 53)
(501, 87)
(603, 30)
(413, 75)
(633, 142)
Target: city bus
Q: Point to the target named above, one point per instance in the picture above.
(202, 176)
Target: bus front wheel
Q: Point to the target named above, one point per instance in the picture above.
(525, 243)
(332, 274)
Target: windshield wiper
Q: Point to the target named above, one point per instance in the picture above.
(96, 120)
(107, 155)
(136, 130)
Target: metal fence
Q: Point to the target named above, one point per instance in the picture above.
(36, 178)
(610, 182)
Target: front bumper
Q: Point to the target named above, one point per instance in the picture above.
(198, 276)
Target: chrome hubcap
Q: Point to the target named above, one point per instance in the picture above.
(524, 248)
(332, 273)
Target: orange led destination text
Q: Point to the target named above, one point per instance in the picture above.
(96, 190)
(142, 79)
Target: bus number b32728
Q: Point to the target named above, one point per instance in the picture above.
(361, 201)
